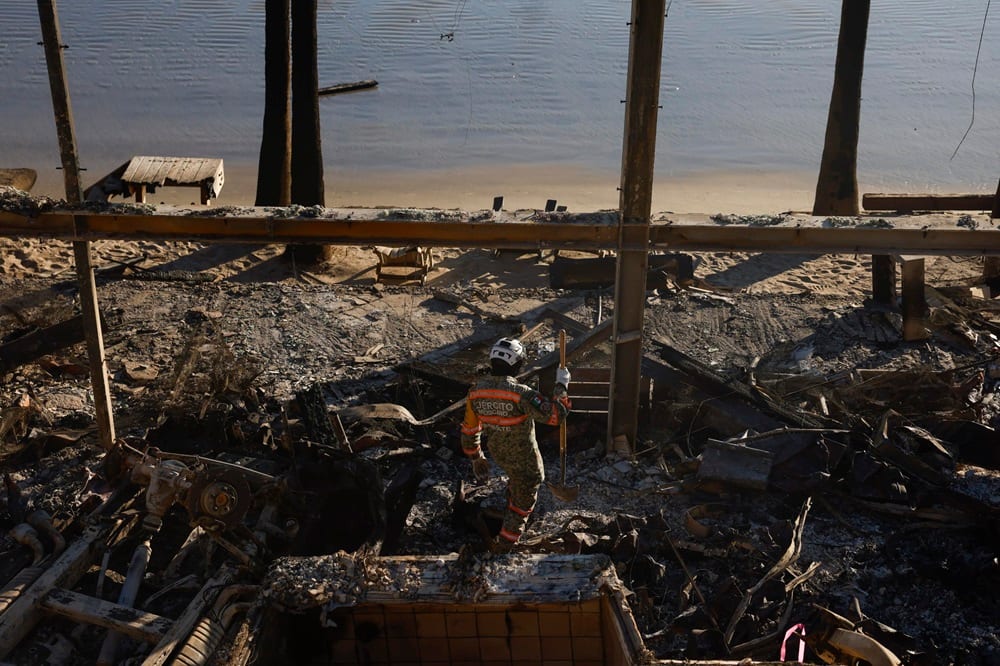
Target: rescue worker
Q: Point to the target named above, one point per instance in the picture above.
(507, 410)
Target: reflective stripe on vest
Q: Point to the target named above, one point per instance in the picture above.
(496, 394)
(503, 420)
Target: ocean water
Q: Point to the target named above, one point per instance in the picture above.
(472, 84)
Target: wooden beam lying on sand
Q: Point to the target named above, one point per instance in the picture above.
(936, 202)
(797, 234)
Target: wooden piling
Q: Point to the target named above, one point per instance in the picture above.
(52, 41)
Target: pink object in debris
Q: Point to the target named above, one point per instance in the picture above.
(799, 631)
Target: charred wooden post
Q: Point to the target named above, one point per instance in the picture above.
(132, 622)
(884, 279)
(914, 302)
(74, 194)
(39, 342)
(991, 275)
(638, 156)
(315, 418)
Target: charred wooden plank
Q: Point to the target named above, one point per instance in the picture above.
(703, 376)
(597, 272)
(935, 202)
(132, 622)
(40, 342)
(735, 464)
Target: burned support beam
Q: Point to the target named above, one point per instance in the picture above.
(74, 195)
(914, 302)
(582, 231)
(638, 157)
(991, 276)
(884, 279)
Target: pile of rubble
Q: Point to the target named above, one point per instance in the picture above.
(799, 466)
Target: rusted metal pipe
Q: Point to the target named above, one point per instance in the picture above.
(129, 591)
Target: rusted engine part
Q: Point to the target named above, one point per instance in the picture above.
(120, 618)
(217, 496)
(294, 508)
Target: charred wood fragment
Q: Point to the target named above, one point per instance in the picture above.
(313, 410)
(597, 272)
(41, 341)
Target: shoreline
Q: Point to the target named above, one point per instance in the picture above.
(527, 186)
(522, 186)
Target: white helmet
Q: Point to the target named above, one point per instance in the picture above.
(508, 350)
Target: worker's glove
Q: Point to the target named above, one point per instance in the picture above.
(481, 468)
(562, 377)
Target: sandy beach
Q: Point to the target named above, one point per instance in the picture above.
(522, 186)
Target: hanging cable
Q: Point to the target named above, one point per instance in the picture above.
(975, 68)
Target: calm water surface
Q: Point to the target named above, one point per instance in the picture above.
(468, 83)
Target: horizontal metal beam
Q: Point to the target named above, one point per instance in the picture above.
(927, 235)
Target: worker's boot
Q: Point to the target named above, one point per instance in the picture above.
(501, 546)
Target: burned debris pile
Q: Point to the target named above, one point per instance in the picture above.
(819, 485)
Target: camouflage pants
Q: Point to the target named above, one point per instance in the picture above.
(521, 460)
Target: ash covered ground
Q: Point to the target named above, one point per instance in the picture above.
(209, 345)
